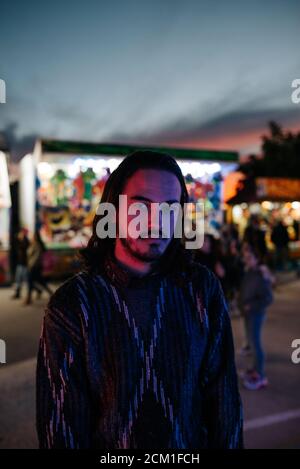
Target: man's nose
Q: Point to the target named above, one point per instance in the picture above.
(155, 220)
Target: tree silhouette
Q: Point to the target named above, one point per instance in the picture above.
(280, 155)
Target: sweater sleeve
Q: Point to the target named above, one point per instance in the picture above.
(63, 403)
(222, 403)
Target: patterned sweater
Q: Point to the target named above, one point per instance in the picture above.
(138, 363)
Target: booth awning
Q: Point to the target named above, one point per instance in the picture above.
(65, 146)
(260, 189)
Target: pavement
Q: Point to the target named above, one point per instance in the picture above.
(272, 415)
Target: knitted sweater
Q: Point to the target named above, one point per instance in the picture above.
(110, 376)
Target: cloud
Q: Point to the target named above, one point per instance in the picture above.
(236, 130)
(240, 130)
(18, 145)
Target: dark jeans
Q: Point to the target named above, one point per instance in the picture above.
(253, 324)
(36, 281)
(281, 257)
(21, 276)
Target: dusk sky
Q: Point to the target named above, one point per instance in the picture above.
(204, 74)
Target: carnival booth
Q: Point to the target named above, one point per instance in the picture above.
(62, 183)
(271, 199)
(5, 208)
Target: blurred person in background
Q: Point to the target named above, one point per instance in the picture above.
(21, 246)
(254, 298)
(229, 233)
(296, 228)
(234, 272)
(256, 237)
(36, 281)
(280, 238)
(210, 256)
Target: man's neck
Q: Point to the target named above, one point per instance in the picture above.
(130, 263)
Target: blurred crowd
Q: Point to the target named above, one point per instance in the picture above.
(245, 267)
(226, 255)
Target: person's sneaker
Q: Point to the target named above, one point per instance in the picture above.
(246, 374)
(27, 302)
(16, 296)
(246, 350)
(255, 382)
(38, 294)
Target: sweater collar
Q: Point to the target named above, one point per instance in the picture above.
(120, 276)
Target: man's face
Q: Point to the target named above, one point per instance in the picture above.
(147, 186)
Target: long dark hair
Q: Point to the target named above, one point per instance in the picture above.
(176, 258)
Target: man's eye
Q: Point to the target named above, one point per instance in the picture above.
(140, 205)
(168, 206)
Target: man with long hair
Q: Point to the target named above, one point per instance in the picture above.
(136, 350)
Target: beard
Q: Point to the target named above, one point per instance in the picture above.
(153, 252)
